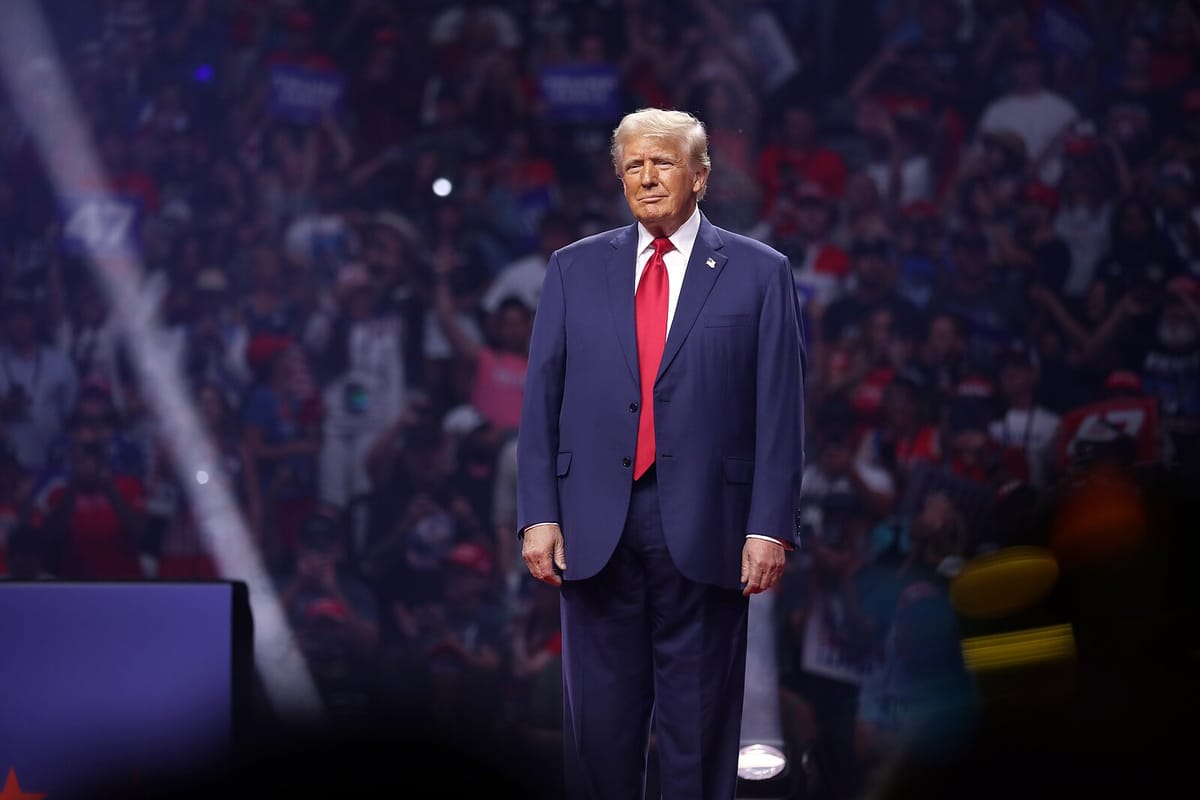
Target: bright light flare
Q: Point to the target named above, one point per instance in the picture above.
(46, 105)
(760, 762)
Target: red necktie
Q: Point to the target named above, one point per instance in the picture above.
(650, 309)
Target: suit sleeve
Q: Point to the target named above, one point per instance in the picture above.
(537, 436)
(779, 410)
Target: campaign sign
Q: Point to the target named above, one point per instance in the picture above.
(825, 651)
(302, 95)
(581, 92)
(100, 224)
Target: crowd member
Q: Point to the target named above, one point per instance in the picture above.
(361, 370)
(523, 278)
(535, 691)
(466, 642)
(94, 520)
(334, 615)
(495, 368)
(38, 383)
(1171, 367)
(796, 151)
(1027, 430)
(280, 427)
(1036, 113)
(974, 289)
(180, 552)
(16, 498)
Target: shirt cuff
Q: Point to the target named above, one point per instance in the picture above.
(521, 535)
(780, 542)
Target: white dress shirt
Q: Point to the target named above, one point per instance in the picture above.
(684, 239)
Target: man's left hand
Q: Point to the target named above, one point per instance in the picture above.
(762, 565)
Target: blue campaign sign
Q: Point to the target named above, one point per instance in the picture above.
(299, 94)
(100, 224)
(581, 92)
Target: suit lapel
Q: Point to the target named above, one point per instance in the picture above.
(703, 268)
(621, 259)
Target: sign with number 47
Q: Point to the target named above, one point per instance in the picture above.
(100, 225)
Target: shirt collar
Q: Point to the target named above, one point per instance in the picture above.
(683, 239)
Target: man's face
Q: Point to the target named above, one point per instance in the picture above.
(812, 218)
(1027, 74)
(970, 257)
(1016, 379)
(662, 186)
(872, 267)
(944, 340)
(513, 328)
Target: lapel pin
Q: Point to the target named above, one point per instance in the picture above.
(711, 264)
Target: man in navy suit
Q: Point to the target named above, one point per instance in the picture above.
(659, 459)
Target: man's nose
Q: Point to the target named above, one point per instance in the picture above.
(649, 175)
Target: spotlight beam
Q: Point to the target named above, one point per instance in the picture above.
(43, 99)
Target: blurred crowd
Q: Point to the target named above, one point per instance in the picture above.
(347, 209)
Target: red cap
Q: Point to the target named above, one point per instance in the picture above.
(471, 556)
(263, 347)
(920, 209)
(326, 608)
(1123, 381)
(1043, 194)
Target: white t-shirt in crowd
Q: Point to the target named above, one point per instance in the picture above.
(916, 178)
(521, 279)
(1085, 232)
(1037, 118)
(50, 384)
(1034, 432)
(370, 394)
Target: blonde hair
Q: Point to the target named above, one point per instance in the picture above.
(679, 126)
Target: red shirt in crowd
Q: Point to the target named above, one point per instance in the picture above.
(780, 166)
(96, 547)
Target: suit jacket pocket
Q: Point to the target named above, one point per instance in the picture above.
(563, 464)
(739, 470)
(729, 320)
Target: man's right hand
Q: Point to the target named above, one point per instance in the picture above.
(542, 549)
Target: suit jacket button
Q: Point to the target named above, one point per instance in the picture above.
(633, 407)
(625, 462)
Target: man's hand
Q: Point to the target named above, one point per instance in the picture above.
(542, 549)
(762, 565)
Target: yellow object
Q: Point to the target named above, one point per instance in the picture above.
(1019, 648)
(1004, 582)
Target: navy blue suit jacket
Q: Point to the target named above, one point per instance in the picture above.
(728, 403)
